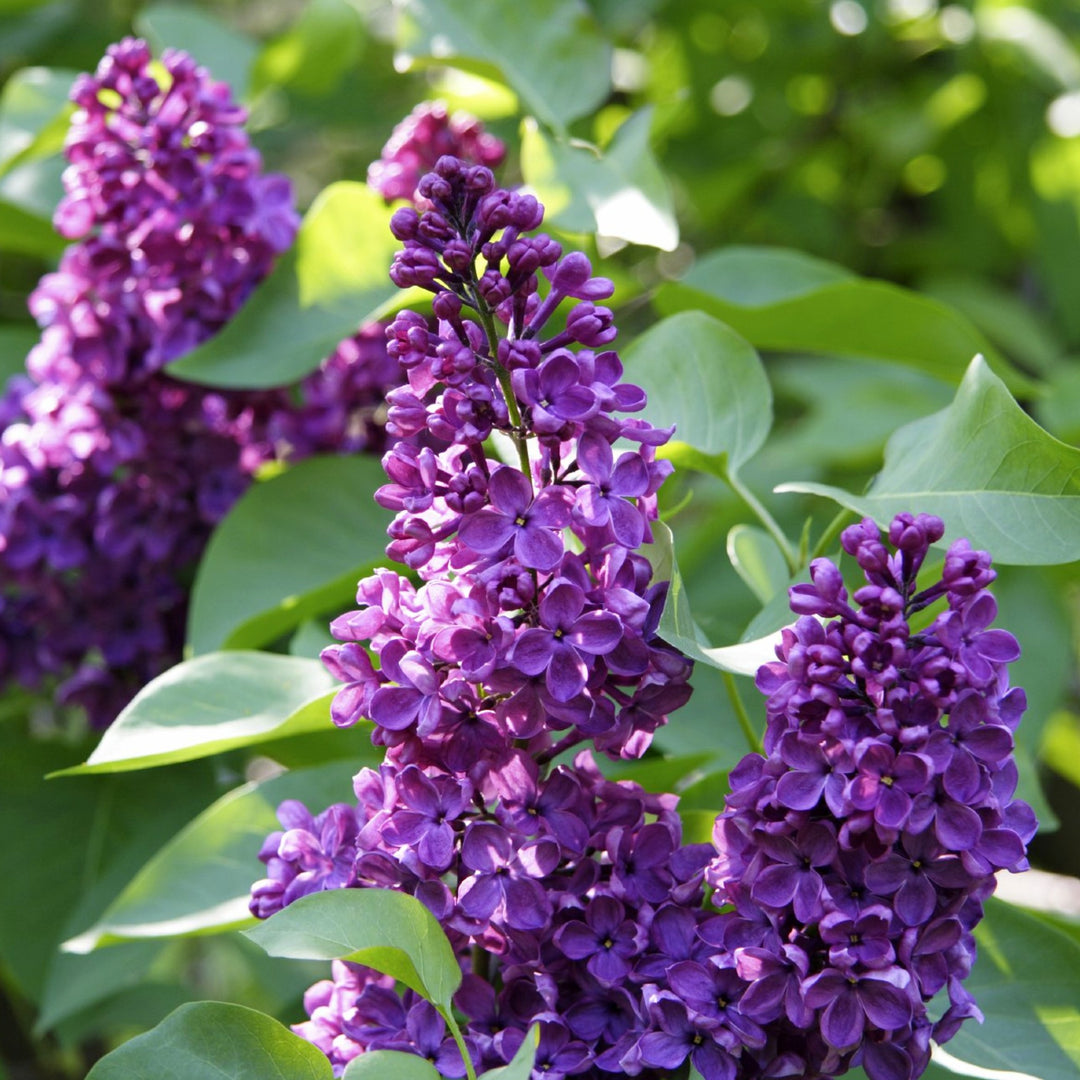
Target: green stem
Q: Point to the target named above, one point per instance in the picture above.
(764, 517)
(832, 530)
(741, 714)
(507, 388)
(452, 1024)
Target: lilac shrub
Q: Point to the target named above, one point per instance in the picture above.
(112, 473)
(850, 863)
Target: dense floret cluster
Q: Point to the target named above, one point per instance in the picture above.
(857, 852)
(112, 473)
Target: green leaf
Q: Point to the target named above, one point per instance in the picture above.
(223, 51)
(618, 193)
(389, 931)
(1027, 983)
(209, 1040)
(334, 279)
(34, 114)
(705, 379)
(987, 469)
(199, 881)
(556, 60)
(390, 1065)
(314, 54)
(213, 703)
(779, 299)
(757, 560)
(292, 547)
(26, 233)
(521, 1065)
(15, 343)
(677, 626)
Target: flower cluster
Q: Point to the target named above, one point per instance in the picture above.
(855, 855)
(428, 133)
(532, 631)
(113, 474)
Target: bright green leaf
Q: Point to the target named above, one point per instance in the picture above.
(677, 626)
(390, 1065)
(1027, 983)
(618, 193)
(292, 547)
(223, 51)
(757, 560)
(213, 703)
(987, 469)
(334, 279)
(314, 54)
(34, 113)
(705, 379)
(199, 881)
(389, 931)
(521, 1065)
(209, 1040)
(556, 60)
(26, 233)
(778, 299)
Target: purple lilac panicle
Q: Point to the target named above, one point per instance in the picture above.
(850, 863)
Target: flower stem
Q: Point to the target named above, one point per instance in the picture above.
(452, 1024)
(741, 714)
(764, 517)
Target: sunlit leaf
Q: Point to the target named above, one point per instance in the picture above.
(987, 469)
(556, 60)
(521, 1065)
(705, 379)
(778, 299)
(209, 1040)
(314, 54)
(34, 112)
(390, 1065)
(199, 882)
(1027, 985)
(213, 703)
(619, 192)
(291, 548)
(757, 560)
(389, 931)
(334, 279)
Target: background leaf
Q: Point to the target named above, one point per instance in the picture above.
(619, 192)
(213, 703)
(389, 931)
(1025, 983)
(987, 469)
(334, 279)
(757, 560)
(291, 548)
(34, 114)
(556, 61)
(521, 1065)
(200, 880)
(210, 1040)
(702, 377)
(390, 1065)
(782, 300)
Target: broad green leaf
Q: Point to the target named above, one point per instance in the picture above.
(210, 1040)
(618, 193)
(199, 881)
(677, 626)
(757, 560)
(556, 60)
(778, 299)
(27, 233)
(705, 379)
(1059, 409)
(314, 54)
(223, 51)
(521, 1065)
(1027, 983)
(334, 279)
(292, 548)
(987, 469)
(34, 113)
(213, 703)
(390, 1065)
(389, 931)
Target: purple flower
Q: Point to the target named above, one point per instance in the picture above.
(605, 940)
(848, 1001)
